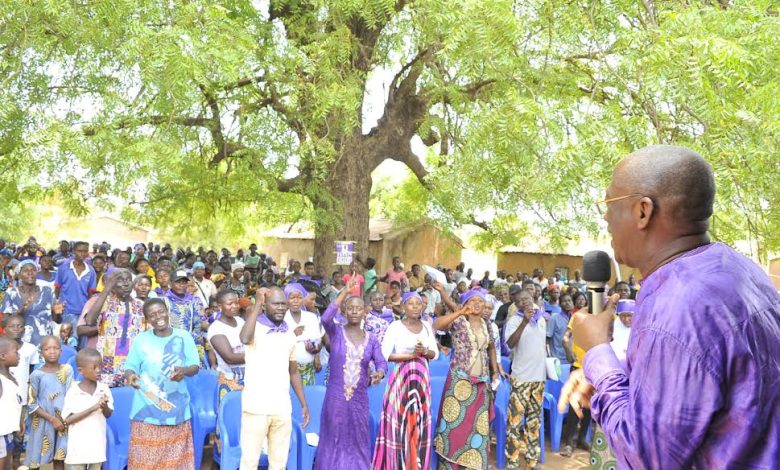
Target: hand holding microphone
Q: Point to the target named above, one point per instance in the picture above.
(590, 330)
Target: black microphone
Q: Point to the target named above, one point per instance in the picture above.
(596, 271)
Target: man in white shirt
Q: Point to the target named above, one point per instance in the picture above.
(526, 335)
(270, 370)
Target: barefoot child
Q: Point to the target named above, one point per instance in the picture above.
(87, 405)
(47, 439)
(10, 401)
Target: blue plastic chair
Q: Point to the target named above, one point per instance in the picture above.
(203, 398)
(230, 435)
(118, 429)
(553, 388)
(500, 407)
(437, 390)
(439, 368)
(315, 397)
(376, 394)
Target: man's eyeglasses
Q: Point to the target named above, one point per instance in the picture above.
(602, 205)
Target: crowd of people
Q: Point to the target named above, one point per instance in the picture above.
(148, 317)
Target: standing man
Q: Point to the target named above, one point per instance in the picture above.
(271, 368)
(699, 387)
(76, 281)
(526, 336)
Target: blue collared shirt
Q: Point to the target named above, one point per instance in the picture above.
(75, 288)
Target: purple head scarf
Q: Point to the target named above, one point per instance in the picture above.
(408, 296)
(294, 287)
(625, 306)
(470, 294)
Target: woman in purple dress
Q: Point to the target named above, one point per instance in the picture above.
(345, 441)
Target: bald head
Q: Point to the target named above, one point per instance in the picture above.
(678, 179)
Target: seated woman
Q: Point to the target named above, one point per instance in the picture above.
(223, 336)
(463, 434)
(344, 432)
(159, 360)
(404, 439)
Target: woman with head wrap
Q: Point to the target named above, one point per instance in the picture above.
(236, 282)
(307, 329)
(463, 433)
(119, 319)
(344, 429)
(404, 439)
(31, 301)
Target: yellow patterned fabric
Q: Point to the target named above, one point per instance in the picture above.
(522, 440)
(463, 434)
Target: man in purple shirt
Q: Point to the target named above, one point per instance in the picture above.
(701, 382)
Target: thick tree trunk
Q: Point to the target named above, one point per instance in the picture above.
(349, 186)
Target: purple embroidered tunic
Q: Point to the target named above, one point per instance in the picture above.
(701, 385)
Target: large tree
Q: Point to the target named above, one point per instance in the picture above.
(196, 111)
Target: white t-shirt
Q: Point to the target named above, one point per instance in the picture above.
(530, 352)
(267, 376)
(398, 339)
(10, 407)
(312, 330)
(230, 371)
(87, 438)
(205, 289)
(28, 356)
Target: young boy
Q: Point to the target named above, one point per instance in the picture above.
(66, 335)
(87, 405)
(10, 401)
(28, 354)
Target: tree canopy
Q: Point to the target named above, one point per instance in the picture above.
(198, 115)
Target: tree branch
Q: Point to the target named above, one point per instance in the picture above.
(242, 83)
(127, 123)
